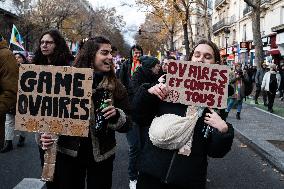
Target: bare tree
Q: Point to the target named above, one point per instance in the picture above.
(183, 8)
(255, 16)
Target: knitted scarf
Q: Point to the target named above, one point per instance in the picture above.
(171, 131)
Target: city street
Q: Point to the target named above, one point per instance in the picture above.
(242, 168)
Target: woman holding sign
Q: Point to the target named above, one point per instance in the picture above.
(180, 136)
(90, 159)
(52, 50)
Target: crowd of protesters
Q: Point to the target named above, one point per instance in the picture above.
(136, 91)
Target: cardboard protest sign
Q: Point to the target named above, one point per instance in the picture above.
(197, 84)
(54, 99)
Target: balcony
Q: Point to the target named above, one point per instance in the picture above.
(264, 4)
(220, 3)
(223, 23)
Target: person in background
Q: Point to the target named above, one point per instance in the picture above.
(238, 79)
(116, 60)
(127, 71)
(30, 58)
(281, 86)
(129, 67)
(89, 160)
(258, 81)
(270, 84)
(9, 74)
(148, 73)
(177, 166)
(10, 118)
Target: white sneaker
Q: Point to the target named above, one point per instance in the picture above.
(132, 184)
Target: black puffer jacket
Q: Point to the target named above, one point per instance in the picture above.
(167, 165)
(141, 76)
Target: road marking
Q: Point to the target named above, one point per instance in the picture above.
(268, 112)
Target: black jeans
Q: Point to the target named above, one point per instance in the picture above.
(271, 97)
(257, 93)
(74, 172)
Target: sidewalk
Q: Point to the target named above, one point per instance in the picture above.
(263, 131)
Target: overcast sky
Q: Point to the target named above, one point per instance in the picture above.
(132, 16)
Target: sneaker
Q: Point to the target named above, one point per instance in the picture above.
(132, 184)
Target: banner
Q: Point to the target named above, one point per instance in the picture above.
(197, 84)
(16, 38)
(54, 99)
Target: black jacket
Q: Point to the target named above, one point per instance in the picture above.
(125, 74)
(141, 76)
(167, 165)
(103, 145)
(281, 86)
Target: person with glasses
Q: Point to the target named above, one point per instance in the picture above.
(89, 160)
(52, 50)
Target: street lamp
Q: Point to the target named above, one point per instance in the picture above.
(227, 32)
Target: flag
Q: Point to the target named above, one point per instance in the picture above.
(16, 38)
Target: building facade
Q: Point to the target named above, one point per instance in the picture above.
(197, 25)
(233, 32)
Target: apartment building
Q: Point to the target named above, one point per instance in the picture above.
(197, 25)
(233, 32)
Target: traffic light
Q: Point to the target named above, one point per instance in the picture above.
(139, 31)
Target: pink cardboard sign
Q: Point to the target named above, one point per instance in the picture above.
(197, 84)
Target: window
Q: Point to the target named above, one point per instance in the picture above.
(282, 15)
(245, 32)
(234, 36)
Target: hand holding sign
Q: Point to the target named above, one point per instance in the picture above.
(160, 90)
(46, 141)
(214, 120)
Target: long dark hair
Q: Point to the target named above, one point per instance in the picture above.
(212, 45)
(23, 57)
(87, 54)
(61, 55)
(138, 47)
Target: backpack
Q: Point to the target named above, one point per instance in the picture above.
(273, 84)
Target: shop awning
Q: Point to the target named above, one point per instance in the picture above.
(273, 52)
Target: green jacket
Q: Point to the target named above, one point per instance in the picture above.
(9, 73)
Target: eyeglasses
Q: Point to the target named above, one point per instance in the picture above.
(46, 42)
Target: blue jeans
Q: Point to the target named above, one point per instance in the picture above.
(232, 102)
(136, 139)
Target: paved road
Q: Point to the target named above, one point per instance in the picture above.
(240, 169)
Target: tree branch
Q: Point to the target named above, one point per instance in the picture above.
(251, 4)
